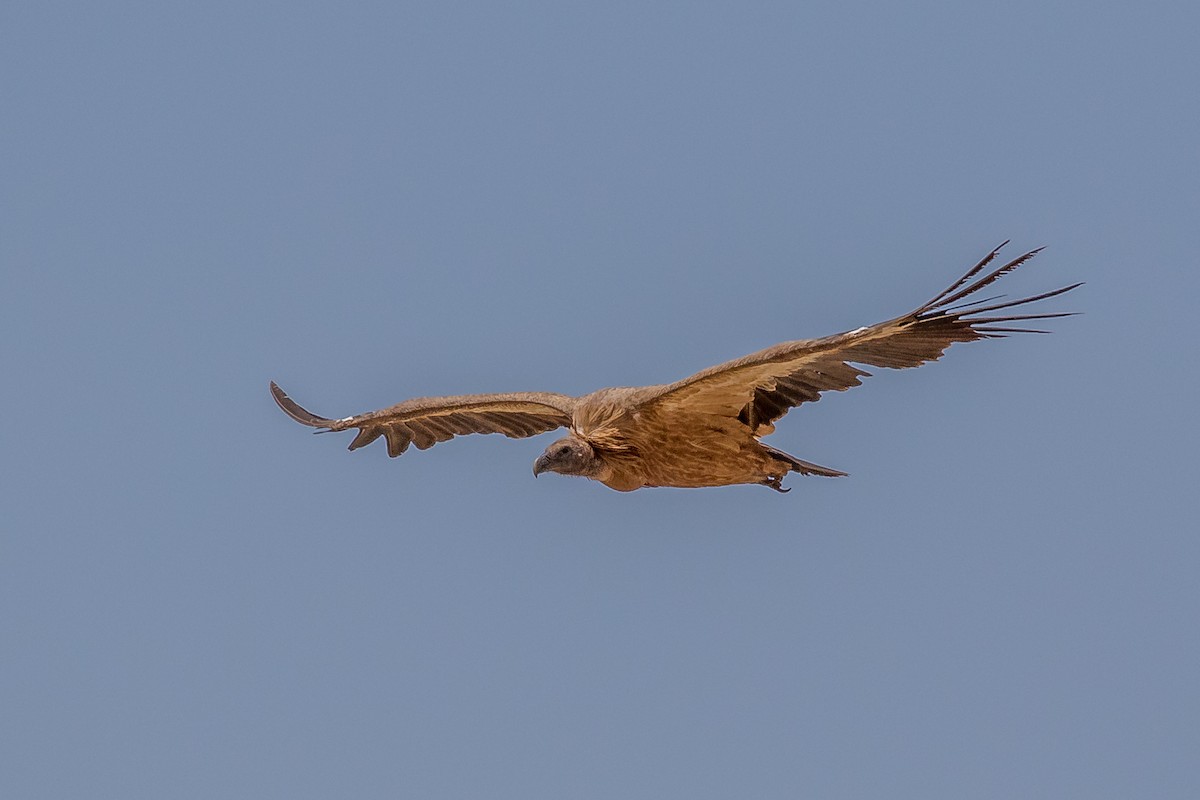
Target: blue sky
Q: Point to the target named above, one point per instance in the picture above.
(372, 201)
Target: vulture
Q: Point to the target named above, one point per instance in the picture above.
(707, 429)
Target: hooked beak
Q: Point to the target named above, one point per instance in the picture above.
(541, 465)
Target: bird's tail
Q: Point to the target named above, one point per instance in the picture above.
(801, 466)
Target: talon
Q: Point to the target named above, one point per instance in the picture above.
(777, 485)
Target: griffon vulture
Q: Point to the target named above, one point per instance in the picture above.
(704, 430)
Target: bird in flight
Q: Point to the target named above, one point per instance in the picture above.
(704, 430)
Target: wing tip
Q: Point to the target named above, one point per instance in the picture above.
(296, 411)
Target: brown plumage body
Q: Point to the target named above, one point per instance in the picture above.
(704, 430)
(642, 445)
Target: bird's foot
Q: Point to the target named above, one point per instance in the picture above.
(776, 483)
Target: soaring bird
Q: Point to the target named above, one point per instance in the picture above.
(704, 430)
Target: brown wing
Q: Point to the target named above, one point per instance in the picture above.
(761, 387)
(425, 421)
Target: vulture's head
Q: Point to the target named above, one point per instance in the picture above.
(567, 456)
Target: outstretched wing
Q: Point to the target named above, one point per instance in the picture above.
(425, 421)
(761, 387)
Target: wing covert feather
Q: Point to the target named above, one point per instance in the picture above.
(425, 421)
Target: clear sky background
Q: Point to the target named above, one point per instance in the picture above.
(372, 201)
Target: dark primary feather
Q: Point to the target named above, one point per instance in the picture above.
(296, 412)
(939, 302)
(972, 272)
